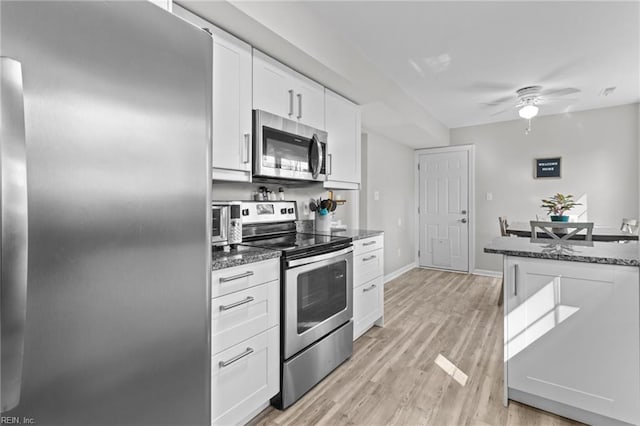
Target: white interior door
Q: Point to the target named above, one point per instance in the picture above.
(444, 210)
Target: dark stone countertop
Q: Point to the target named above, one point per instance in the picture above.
(241, 255)
(611, 253)
(357, 234)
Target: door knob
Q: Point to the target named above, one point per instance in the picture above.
(463, 220)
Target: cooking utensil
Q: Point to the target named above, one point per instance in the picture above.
(313, 206)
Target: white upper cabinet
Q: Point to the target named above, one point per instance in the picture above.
(231, 107)
(231, 123)
(343, 143)
(282, 91)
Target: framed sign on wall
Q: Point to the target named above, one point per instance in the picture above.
(547, 167)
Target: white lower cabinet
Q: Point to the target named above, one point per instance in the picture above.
(245, 340)
(368, 284)
(367, 306)
(572, 336)
(243, 314)
(244, 377)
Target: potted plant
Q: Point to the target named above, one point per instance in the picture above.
(557, 205)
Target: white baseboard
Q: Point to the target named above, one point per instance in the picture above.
(395, 274)
(487, 273)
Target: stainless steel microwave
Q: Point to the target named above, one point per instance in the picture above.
(286, 149)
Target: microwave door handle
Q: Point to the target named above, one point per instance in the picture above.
(299, 106)
(224, 223)
(320, 157)
(315, 171)
(13, 232)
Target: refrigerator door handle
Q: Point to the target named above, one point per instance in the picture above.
(13, 232)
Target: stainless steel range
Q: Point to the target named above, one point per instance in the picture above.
(316, 295)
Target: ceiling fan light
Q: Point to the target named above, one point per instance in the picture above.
(528, 111)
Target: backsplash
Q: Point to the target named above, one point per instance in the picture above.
(301, 194)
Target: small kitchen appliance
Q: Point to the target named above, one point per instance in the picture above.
(226, 225)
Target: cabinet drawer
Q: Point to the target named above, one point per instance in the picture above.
(368, 244)
(249, 379)
(238, 316)
(367, 300)
(367, 266)
(229, 280)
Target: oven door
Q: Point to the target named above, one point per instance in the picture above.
(318, 298)
(285, 149)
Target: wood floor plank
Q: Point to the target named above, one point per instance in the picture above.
(392, 377)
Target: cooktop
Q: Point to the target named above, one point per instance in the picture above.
(295, 244)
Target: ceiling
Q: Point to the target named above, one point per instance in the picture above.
(421, 68)
(454, 56)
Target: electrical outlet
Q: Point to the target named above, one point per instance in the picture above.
(399, 252)
(376, 195)
(489, 196)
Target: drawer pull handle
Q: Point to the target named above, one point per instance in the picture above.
(223, 364)
(369, 288)
(368, 243)
(236, 304)
(365, 259)
(236, 277)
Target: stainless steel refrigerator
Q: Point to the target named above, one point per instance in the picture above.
(106, 187)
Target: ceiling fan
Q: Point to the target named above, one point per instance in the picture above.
(528, 100)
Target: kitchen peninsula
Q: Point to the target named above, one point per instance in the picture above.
(572, 328)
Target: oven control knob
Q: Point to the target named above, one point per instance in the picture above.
(283, 211)
(290, 210)
(245, 212)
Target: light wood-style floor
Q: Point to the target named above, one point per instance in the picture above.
(392, 378)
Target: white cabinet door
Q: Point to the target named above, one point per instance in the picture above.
(231, 115)
(240, 315)
(572, 334)
(309, 102)
(272, 86)
(367, 305)
(244, 377)
(344, 130)
(282, 91)
(231, 126)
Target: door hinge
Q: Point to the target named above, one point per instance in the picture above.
(418, 210)
(418, 253)
(418, 166)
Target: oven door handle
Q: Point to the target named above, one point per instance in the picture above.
(318, 258)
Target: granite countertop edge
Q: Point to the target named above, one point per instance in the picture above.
(567, 257)
(222, 260)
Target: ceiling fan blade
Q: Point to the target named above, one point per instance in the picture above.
(560, 92)
(501, 100)
(499, 112)
(546, 100)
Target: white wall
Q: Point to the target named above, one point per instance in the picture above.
(599, 150)
(388, 170)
